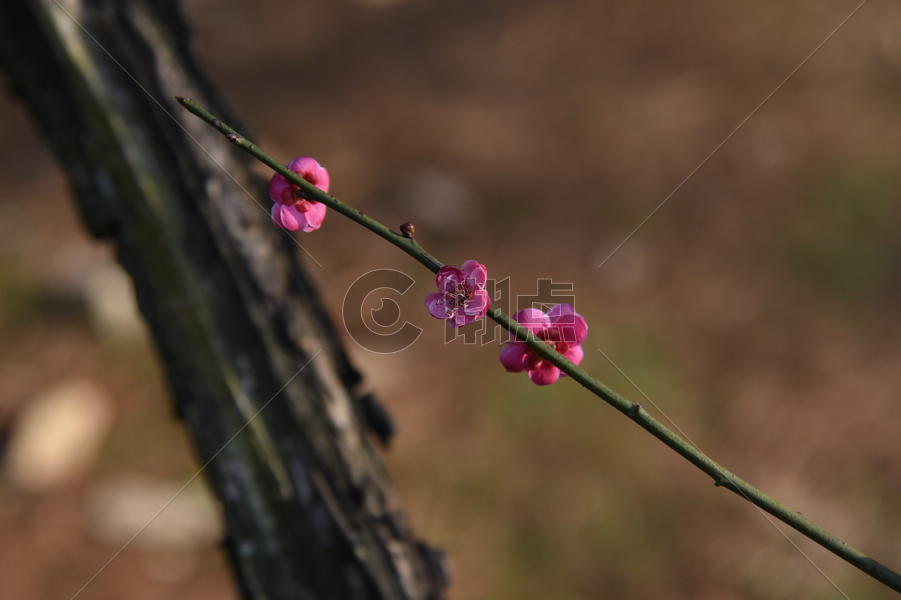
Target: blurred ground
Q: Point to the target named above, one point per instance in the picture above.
(758, 308)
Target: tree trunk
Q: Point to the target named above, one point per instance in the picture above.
(310, 510)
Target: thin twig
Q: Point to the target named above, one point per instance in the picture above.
(721, 476)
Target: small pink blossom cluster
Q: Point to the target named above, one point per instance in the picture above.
(561, 327)
(290, 209)
(461, 299)
(461, 296)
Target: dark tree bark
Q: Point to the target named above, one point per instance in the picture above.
(310, 510)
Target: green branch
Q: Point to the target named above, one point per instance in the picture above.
(720, 475)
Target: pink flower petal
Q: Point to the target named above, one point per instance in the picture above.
(275, 214)
(478, 304)
(571, 327)
(475, 273)
(532, 319)
(575, 355)
(313, 216)
(281, 190)
(545, 374)
(448, 278)
(437, 306)
(461, 319)
(513, 356)
(311, 170)
(285, 216)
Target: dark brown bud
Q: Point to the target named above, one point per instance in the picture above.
(408, 229)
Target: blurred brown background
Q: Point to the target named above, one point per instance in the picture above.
(758, 308)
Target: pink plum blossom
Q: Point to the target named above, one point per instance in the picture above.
(561, 327)
(289, 209)
(461, 297)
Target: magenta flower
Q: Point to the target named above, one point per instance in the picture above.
(461, 296)
(561, 327)
(289, 209)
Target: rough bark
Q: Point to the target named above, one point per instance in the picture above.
(310, 509)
